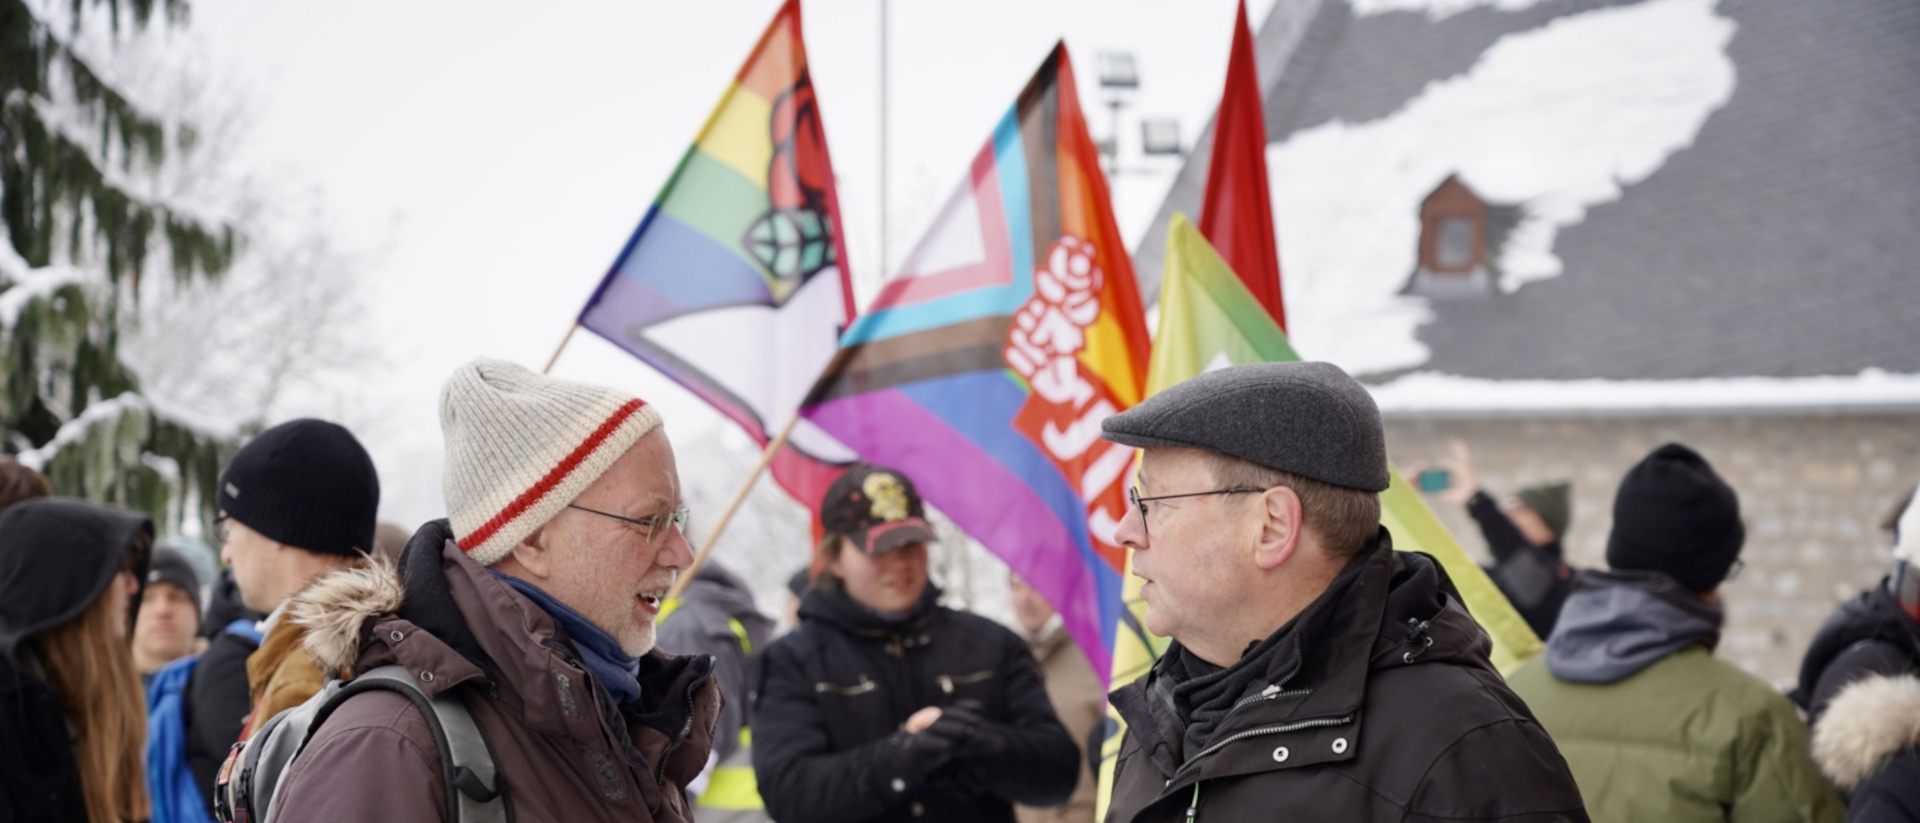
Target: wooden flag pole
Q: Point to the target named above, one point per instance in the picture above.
(719, 526)
(562, 347)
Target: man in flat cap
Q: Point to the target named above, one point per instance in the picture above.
(1316, 674)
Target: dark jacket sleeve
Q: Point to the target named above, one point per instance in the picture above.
(1041, 764)
(1891, 795)
(800, 778)
(1534, 782)
(1862, 659)
(698, 630)
(217, 704)
(1503, 538)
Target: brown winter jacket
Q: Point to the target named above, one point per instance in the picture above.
(282, 674)
(565, 751)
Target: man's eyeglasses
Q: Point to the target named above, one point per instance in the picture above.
(676, 519)
(1133, 496)
(221, 529)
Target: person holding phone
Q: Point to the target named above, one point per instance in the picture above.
(1523, 534)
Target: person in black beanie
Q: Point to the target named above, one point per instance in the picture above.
(298, 500)
(167, 627)
(1654, 726)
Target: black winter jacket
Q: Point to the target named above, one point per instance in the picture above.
(1533, 578)
(39, 779)
(218, 701)
(1869, 746)
(1867, 635)
(1376, 703)
(829, 700)
(57, 557)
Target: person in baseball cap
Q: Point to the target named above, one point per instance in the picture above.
(533, 603)
(1314, 671)
(883, 704)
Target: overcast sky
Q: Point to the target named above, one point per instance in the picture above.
(498, 155)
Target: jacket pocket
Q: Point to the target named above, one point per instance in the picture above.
(863, 687)
(952, 684)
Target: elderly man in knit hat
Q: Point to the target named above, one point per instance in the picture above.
(1653, 725)
(534, 604)
(296, 501)
(1316, 673)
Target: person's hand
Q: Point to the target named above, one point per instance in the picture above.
(920, 720)
(1465, 482)
(1411, 473)
(971, 734)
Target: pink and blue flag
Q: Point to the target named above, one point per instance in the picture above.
(984, 368)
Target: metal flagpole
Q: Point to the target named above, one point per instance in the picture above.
(883, 139)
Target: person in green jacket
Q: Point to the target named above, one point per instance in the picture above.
(1653, 726)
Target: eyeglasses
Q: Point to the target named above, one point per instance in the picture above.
(221, 529)
(1734, 570)
(676, 519)
(1133, 496)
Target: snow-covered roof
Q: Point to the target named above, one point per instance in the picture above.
(1707, 190)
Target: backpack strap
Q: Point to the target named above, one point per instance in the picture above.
(467, 764)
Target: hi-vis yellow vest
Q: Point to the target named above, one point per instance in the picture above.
(732, 795)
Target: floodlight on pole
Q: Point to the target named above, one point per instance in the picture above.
(1119, 77)
(1160, 136)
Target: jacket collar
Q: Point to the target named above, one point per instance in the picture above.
(1385, 609)
(1616, 623)
(833, 606)
(446, 615)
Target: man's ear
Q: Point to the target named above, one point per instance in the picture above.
(532, 556)
(1280, 528)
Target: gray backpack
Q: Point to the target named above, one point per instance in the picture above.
(248, 786)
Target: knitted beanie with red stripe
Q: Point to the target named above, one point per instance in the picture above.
(521, 446)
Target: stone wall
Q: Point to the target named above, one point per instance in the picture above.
(1813, 490)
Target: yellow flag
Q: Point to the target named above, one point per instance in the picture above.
(1208, 320)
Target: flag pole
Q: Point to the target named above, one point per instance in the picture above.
(713, 536)
(563, 345)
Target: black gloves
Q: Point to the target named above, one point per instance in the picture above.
(966, 732)
(919, 755)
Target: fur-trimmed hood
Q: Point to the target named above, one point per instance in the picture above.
(1868, 722)
(335, 607)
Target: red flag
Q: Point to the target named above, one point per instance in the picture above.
(1236, 214)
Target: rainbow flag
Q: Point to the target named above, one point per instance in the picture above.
(984, 369)
(743, 244)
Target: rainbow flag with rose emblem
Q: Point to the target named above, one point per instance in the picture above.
(743, 244)
(984, 368)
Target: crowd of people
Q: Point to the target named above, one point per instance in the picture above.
(520, 659)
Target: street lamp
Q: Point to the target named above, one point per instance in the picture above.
(1119, 78)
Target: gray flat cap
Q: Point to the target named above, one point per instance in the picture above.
(1310, 419)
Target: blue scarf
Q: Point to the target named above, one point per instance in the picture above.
(616, 670)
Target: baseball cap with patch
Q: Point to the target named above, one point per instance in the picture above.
(877, 508)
